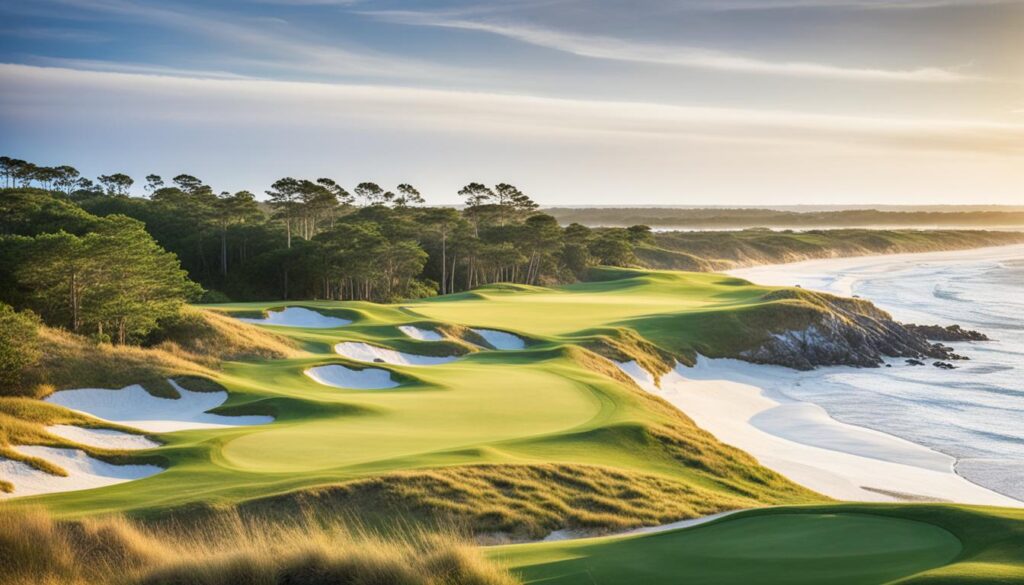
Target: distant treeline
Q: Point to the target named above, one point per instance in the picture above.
(744, 218)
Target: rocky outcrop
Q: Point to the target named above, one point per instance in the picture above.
(950, 333)
(837, 331)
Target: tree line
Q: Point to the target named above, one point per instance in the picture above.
(67, 248)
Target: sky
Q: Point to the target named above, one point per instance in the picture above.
(632, 102)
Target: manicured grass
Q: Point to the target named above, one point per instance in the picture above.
(542, 405)
(790, 549)
(835, 543)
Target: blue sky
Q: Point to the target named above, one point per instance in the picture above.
(664, 102)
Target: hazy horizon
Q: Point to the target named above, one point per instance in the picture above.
(687, 102)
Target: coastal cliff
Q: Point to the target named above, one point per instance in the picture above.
(814, 329)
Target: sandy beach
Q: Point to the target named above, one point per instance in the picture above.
(799, 440)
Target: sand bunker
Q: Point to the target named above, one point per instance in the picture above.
(84, 472)
(500, 339)
(364, 352)
(134, 407)
(420, 333)
(298, 317)
(103, 438)
(734, 401)
(342, 377)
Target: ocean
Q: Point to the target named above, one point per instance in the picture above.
(974, 413)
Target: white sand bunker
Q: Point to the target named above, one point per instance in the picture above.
(134, 407)
(84, 472)
(298, 317)
(342, 377)
(364, 352)
(500, 339)
(420, 333)
(103, 438)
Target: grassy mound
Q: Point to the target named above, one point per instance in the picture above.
(36, 549)
(506, 502)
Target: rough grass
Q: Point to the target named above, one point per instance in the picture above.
(38, 550)
(194, 345)
(507, 502)
(194, 348)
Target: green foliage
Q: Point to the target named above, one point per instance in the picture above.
(114, 280)
(19, 345)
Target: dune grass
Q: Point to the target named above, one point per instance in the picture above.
(35, 549)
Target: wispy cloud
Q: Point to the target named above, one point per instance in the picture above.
(54, 34)
(296, 105)
(268, 42)
(845, 4)
(123, 67)
(602, 47)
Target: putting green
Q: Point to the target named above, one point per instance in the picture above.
(508, 402)
(788, 549)
(578, 307)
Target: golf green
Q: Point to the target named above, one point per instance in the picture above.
(784, 549)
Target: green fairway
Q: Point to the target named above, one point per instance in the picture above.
(545, 404)
(790, 549)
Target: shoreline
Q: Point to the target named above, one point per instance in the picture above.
(784, 273)
(865, 274)
(736, 402)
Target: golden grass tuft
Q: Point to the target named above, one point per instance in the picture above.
(194, 344)
(37, 549)
(209, 337)
(507, 502)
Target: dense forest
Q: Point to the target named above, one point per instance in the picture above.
(87, 256)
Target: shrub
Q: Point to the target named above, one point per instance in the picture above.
(19, 345)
